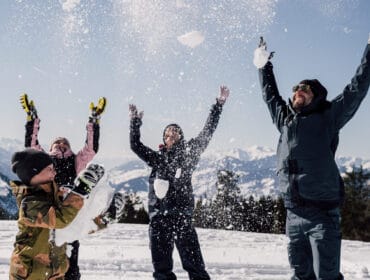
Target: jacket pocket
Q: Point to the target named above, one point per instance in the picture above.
(318, 179)
(161, 187)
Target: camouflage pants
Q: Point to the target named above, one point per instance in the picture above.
(24, 264)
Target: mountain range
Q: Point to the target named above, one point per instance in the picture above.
(254, 165)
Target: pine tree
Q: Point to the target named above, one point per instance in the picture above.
(208, 207)
(250, 215)
(133, 211)
(356, 206)
(142, 216)
(279, 216)
(2, 214)
(227, 207)
(266, 216)
(198, 216)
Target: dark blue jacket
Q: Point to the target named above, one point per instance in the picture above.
(175, 165)
(307, 171)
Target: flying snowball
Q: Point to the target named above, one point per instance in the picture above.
(191, 39)
(261, 56)
(69, 5)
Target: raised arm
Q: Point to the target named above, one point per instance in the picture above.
(32, 125)
(91, 147)
(200, 143)
(145, 153)
(275, 103)
(42, 212)
(345, 105)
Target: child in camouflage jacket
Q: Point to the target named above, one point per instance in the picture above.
(41, 210)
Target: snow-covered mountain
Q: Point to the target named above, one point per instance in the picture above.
(7, 148)
(7, 200)
(255, 166)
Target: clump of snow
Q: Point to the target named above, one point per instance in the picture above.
(69, 5)
(191, 39)
(261, 56)
(80, 227)
(154, 24)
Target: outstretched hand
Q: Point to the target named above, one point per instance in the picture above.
(97, 110)
(262, 43)
(261, 55)
(224, 94)
(134, 113)
(28, 106)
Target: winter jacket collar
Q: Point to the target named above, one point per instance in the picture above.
(59, 154)
(318, 104)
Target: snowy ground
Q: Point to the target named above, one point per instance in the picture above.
(122, 252)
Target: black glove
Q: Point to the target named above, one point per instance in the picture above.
(87, 179)
(264, 45)
(115, 209)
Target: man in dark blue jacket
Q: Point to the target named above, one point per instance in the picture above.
(308, 175)
(171, 199)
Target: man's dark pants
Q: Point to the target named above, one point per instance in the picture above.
(314, 243)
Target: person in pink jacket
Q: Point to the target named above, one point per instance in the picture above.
(67, 164)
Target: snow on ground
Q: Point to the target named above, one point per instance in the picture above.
(122, 252)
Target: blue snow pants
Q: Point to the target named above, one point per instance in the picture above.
(164, 232)
(314, 243)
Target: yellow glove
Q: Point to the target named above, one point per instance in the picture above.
(28, 107)
(97, 110)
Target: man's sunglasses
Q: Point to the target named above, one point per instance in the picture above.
(302, 87)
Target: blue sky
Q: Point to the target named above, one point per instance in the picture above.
(65, 54)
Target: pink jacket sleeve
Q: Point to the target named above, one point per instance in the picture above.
(87, 153)
(31, 137)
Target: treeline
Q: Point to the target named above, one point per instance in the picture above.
(133, 211)
(356, 206)
(230, 210)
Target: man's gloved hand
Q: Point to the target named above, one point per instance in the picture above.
(261, 55)
(224, 94)
(115, 210)
(87, 179)
(29, 107)
(133, 113)
(97, 110)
